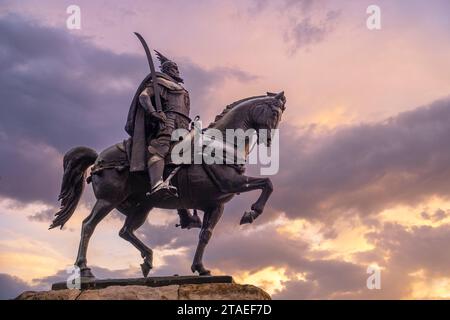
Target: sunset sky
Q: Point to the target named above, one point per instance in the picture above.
(364, 174)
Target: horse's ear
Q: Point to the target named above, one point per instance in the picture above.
(280, 95)
(271, 94)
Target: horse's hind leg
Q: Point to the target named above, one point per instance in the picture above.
(135, 219)
(210, 219)
(99, 211)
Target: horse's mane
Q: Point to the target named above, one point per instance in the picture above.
(229, 107)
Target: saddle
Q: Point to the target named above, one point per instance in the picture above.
(116, 157)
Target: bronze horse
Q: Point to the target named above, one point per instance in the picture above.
(115, 188)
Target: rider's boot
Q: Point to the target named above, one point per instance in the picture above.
(155, 171)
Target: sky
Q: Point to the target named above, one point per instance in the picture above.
(364, 158)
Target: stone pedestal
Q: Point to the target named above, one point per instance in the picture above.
(154, 288)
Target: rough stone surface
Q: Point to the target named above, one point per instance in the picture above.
(50, 295)
(209, 291)
(221, 291)
(131, 293)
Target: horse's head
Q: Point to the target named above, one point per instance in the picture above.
(260, 113)
(266, 115)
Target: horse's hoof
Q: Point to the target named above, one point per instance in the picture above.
(205, 273)
(202, 271)
(248, 217)
(145, 268)
(87, 281)
(86, 274)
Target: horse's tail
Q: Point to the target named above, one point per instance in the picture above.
(76, 162)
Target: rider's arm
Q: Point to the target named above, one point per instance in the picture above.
(145, 99)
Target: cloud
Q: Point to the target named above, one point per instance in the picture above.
(305, 32)
(326, 279)
(414, 249)
(437, 216)
(11, 287)
(364, 168)
(167, 235)
(414, 261)
(99, 272)
(303, 5)
(30, 171)
(309, 22)
(46, 215)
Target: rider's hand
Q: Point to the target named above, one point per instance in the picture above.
(159, 115)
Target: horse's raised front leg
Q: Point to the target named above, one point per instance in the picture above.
(210, 219)
(99, 211)
(249, 184)
(135, 219)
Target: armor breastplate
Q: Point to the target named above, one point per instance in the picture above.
(177, 100)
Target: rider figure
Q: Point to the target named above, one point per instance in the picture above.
(174, 115)
(151, 130)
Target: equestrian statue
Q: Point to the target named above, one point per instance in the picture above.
(136, 175)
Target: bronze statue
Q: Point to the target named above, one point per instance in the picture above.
(120, 179)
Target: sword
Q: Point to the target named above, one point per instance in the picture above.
(158, 106)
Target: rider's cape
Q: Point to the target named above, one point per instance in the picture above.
(140, 127)
(135, 127)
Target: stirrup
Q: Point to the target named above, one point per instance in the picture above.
(165, 189)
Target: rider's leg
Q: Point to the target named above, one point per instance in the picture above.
(158, 149)
(155, 166)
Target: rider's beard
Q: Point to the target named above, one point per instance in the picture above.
(177, 79)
